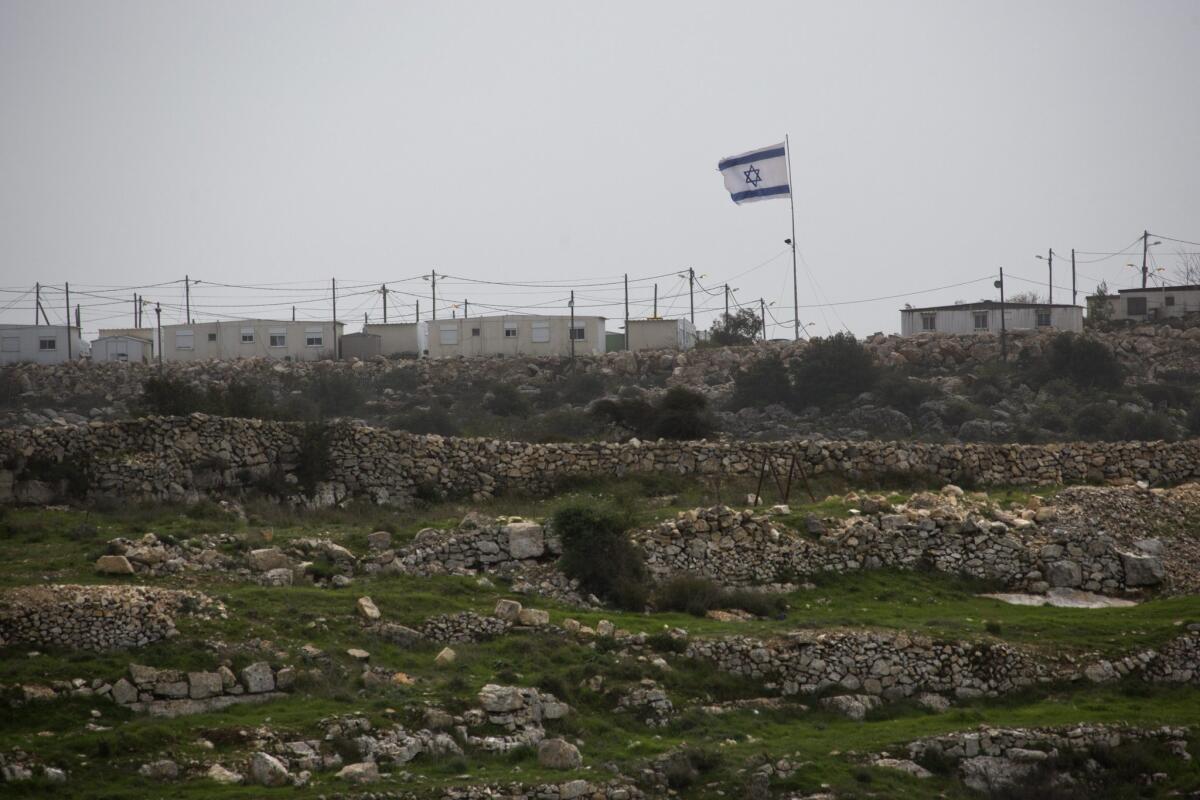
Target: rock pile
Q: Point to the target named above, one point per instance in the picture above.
(96, 617)
(999, 759)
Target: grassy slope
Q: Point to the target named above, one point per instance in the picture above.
(58, 545)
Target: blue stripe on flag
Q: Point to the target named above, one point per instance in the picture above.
(761, 155)
(773, 190)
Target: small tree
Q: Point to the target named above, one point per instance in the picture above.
(597, 552)
(1025, 297)
(736, 329)
(1100, 304)
(763, 383)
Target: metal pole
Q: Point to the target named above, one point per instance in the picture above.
(136, 324)
(787, 148)
(626, 310)
(1145, 247)
(692, 294)
(571, 332)
(727, 300)
(1072, 276)
(187, 299)
(1050, 285)
(78, 324)
(656, 301)
(762, 310)
(293, 313)
(385, 304)
(418, 309)
(67, 289)
(466, 308)
(158, 323)
(433, 272)
(37, 302)
(336, 347)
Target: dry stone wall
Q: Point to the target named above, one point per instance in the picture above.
(187, 457)
(96, 617)
(892, 665)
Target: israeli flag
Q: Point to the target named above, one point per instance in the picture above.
(758, 175)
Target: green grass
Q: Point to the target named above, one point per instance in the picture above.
(60, 544)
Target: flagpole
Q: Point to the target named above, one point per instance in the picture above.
(787, 148)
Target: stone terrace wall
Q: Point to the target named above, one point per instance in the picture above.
(178, 458)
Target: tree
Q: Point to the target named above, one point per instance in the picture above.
(1024, 297)
(833, 370)
(733, 329)
(1100, 304)
(1187, 270)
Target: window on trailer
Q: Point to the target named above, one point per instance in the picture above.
(981, 320)
(579, 333)
(313, 337)
(929, 322)
(448, 334)
(183, 340)
(47, 343)
(278, 337)
(1043, 318)
(247, 335)
(510, 330)
(1135, 306)
(10, 344)
(540, 332)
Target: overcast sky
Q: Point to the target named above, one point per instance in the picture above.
(289, 142)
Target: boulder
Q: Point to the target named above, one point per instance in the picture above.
(204, 684)
(1142, 570)
(500, 699)
(267, 770)
(367, 609)
(445, 658)
(993, 774)
(525, 539)
(268, 558)
(364, 772)
(1064, 573)
(509, 610)
(851, 706)
(558, 754)
(534, 617)
(379, 540)
(114, 565)
(258, 677)
(124, 692)
(221, 775)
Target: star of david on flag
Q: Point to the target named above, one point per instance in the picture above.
(760, 174)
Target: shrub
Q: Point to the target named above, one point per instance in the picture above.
(580, 388)
(904, 393)
(249, 399)
(735, 329)
(313, 459)
(598, 553)
(832, 371)
(1142, 427)
(1083, 361)
(763, 383)
(1093, 419)
(505, 400)
(172, 397)
(679, 414)
(335, 394)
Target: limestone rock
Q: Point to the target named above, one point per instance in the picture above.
(364, 772)
(267, 770)
(509, 610)
(558, 754)
(114, 565)
(258, 677)
(367, 609)
(445, 658)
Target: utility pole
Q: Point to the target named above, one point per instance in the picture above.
(384, 290)
(293, 313)
(78, 324)
(67, 289)
(727, 301)
(187, 299)
(626, 310)
(1003, 328)
(418, 309)
(656, 301)
(466, 308)
(336, 348)
(433, 283)
(158, 324)
(692, 295)
(762, 310)
(1072, 276)
(135, 310)
(571, 331)
(1145, 249)
(37, 302)
(1050, 285)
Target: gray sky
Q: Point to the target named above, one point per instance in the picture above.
(291, 141)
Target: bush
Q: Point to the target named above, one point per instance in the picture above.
(172, 397)
(1085, 362)
(904, 393)
(598, 553)
(763, 383)
(1094, 419)
(505, 400)
(832, 371)
(735, 329)
(580, 388)
(335, 394)
(679, 414)
(313, 460)
(1142, 427)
